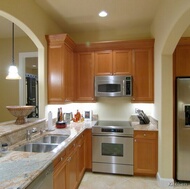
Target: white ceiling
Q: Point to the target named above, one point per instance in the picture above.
(82, 15)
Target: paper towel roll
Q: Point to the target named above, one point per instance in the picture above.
(50, 121)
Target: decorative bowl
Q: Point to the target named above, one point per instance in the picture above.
(21, 112)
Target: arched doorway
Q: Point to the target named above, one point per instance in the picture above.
(40, 55)
(167, 32)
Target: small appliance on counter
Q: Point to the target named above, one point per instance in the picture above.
(142, 117)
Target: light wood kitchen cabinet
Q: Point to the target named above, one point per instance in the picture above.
(85, 77)
(88, 149)
(71, 171)
(59, 174)
(69, 166)
(182, 58)
(60, 69)
(143, 75)
(117, 62)
(81, 157)
(103, 62)
(122, 62)
(145, 153)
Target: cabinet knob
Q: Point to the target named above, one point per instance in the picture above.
(69, 159)
(62, 158)
(144, 135)
(135, 140)
(79, 145)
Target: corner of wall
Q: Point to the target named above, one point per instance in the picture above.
(164, 182)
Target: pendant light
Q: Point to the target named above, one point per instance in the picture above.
(13, 71)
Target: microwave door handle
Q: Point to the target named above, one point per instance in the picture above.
(123, 87)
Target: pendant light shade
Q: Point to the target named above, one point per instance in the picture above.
(13, 71)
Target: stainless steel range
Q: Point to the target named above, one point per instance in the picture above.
(112, 147)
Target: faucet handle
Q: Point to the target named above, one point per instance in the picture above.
(34, 130)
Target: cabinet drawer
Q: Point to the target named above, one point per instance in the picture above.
(60, 158)
(71, 147)
(146, 134)
(80, 138)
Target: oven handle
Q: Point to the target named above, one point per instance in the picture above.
(123, 136)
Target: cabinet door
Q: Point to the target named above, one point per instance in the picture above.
(81, 158)
(71, 171)
(55, 74)
(122, 62)
(103, 63)
(85, 76)
(69, 74)
(145, 153)
(143, 77)
(182, 59)
(88, 149)
(59, 176)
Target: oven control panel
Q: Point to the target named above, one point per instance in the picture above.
(112, 130)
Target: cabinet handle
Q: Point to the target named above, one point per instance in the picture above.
(74, 145)
(62, 158)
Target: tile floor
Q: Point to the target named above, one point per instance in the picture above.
(108, 181)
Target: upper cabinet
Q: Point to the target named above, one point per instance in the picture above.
(143, 75)
(85, 76)
(182, 58)
(116, 62)
(72, 67)
(103, 62)
(122, 62)
(60, 68)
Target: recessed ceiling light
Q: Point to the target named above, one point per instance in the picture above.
(103, 14)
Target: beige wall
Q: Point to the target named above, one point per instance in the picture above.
(170, 22)
(33, 21)
(10, 88)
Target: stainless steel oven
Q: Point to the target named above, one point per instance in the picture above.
(112, 147)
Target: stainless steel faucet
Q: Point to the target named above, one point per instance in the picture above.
(29, 133)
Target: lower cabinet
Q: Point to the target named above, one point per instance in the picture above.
(59, 174)
(145, 153)
(88, 149)
(69, 166)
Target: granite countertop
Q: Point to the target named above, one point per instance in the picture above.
(19, 169)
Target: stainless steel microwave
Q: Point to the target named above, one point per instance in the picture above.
(113, 86)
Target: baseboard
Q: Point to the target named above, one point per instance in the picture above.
(164, 182)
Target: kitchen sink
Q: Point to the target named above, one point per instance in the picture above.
(52, 139)
(36, 147)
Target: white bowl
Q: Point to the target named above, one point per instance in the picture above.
(21, 112)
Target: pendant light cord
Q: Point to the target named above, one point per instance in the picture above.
(13, 61)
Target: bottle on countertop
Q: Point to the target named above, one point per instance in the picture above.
(61, 114)
(58, 115)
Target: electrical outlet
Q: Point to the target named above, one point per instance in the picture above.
(136, 110)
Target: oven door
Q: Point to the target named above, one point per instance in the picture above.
(112, 149)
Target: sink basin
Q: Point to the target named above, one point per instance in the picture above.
(52, 139)
(32, 147)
